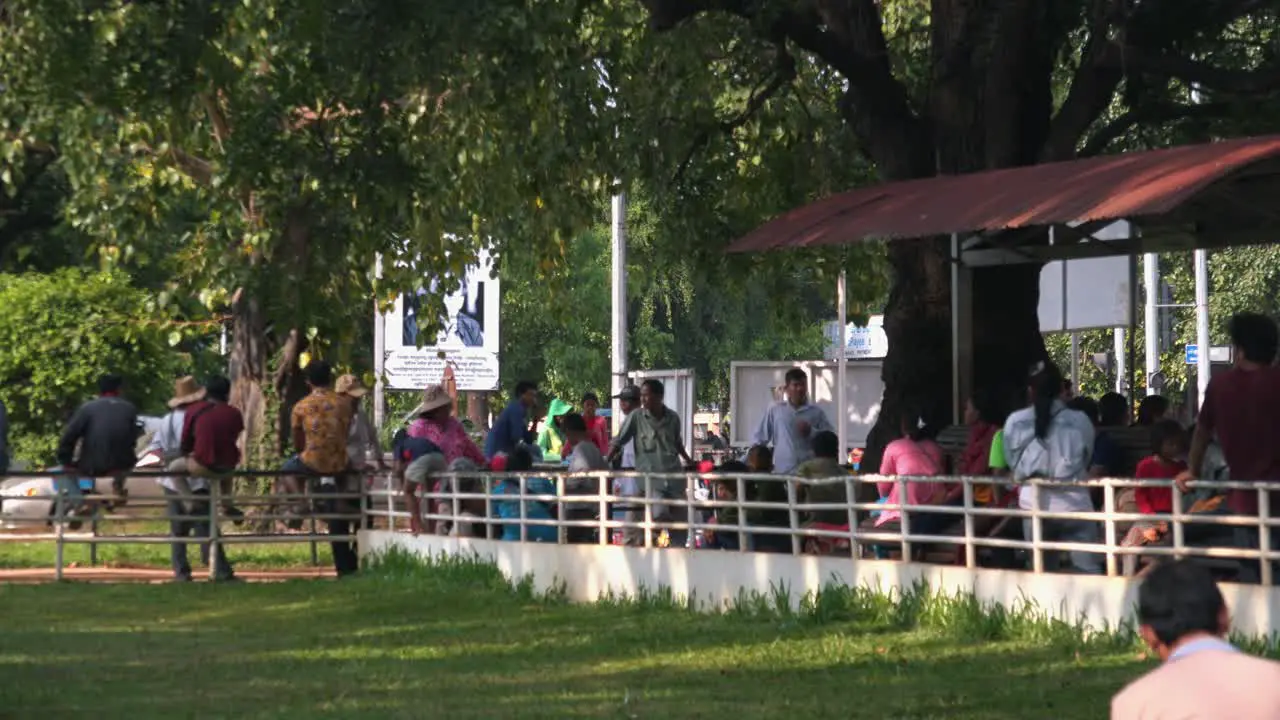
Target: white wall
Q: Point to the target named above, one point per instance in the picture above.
(715, 578)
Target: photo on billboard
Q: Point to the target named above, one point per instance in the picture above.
(465, 336)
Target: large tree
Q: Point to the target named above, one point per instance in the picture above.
(955, 86)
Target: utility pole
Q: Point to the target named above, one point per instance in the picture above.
(619, 303)
(1203, 347)
(1151, 318)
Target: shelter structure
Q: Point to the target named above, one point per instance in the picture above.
(1204, 196)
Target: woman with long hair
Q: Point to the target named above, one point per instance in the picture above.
(1050, 441)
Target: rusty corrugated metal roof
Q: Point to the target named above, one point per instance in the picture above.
(1101, 188)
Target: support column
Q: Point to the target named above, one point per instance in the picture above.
(619, 303)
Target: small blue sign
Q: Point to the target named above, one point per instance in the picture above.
(1193, 355)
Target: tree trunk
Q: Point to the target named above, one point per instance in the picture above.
(989, 106)
(247, 368)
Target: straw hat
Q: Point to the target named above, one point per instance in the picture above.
(350, 385)
(185, 391)
(434, 397)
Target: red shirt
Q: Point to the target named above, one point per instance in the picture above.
(1242, 408)
(1156, 499)
(210, 432)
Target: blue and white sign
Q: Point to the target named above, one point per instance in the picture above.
(861, 343)
(1193, 355)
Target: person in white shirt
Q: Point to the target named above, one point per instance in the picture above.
(1053, 442)
(629, 401)
(186, 516)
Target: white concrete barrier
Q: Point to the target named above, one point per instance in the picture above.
(714, 579)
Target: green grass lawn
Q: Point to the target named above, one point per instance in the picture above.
(264, 556)
(458, 641)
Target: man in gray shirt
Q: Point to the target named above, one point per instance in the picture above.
(790, 426)
(659, 449)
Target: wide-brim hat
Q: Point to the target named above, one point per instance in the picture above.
(350, 385)
(433, 398)
(186, 391)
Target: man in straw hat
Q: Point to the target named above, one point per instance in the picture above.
(362, 441)
(186, 498)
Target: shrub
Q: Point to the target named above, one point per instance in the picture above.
(58, 332)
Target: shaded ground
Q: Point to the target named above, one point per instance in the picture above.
(148, 575)
(459, 642)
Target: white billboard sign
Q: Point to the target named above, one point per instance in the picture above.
(1088, 293)
(861, 343)
(467, 336)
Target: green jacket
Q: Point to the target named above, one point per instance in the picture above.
(550, 438)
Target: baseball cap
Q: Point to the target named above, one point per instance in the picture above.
(630, 392)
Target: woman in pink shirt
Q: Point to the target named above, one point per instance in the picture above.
(914, 454)
(435, 422)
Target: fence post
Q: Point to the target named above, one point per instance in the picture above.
(93, 546)
(214, 544)
(488, 507)
(1264, 538)
(648, 510)
(1037, 554)
(970, 551)
(742, 513)
(391, 506)
(904, 524)
(793, 515)
(1109, 510)
(59, 517)
(851, 485)
(691, 511)
(562, 513)
(306, 493)
(603, 490)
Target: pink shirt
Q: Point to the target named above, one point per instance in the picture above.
(450, 437)
(907, 457)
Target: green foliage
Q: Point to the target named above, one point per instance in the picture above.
(59, 332)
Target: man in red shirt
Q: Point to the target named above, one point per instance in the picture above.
(1242, 410)
(210, 439)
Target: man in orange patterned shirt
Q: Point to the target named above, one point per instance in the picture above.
(321, 422)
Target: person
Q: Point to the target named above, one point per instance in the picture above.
(1185, 621)
(419, 472)
(725, 490)
(659, 445)
(789, 426)
(1166, 462)
(1152, 408)
(321, 424)
(1108, 459)
(211, 431)
(915, 453)
(210, 435)
(186, 499)
(1050, 441)
(824, 465)
(551, 439)
(521, 461)
(1242, 410)
(760, 462)
(106, 430)
(434, 421)
(597, 427)
(586, 456)
(624, 485)
(513, 427)
(984, 414)
(363, 438)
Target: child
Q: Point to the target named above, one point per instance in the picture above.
(1168, 448)
(726, 490)
(520, 460)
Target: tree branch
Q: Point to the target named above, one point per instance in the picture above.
(1164, 113)
(784, 74)
(1237, 82)
(1093, 85)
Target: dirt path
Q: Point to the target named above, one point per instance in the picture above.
(149, 575)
